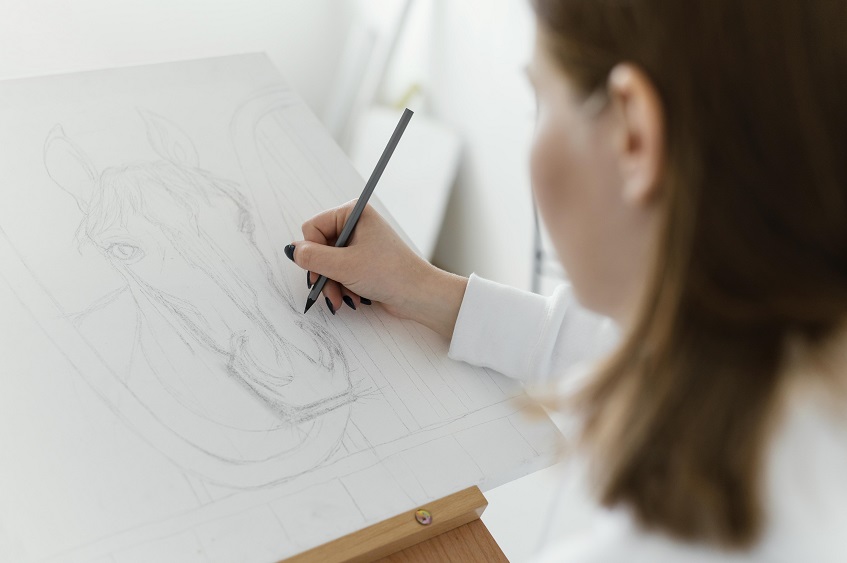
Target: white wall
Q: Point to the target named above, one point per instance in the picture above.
(468, 56)
(303, 37)
(479, 51)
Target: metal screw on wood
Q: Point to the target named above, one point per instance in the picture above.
(423, 517)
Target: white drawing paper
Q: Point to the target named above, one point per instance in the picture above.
(162, 395)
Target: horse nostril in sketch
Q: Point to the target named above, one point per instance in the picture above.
(255, 374)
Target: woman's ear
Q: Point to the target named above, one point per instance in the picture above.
(639, 135)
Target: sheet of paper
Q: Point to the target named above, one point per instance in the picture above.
(162, 396)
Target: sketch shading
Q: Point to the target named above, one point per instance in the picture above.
(184, 242)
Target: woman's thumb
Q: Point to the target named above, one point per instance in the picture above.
(318, 258)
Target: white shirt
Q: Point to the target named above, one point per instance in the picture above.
(534, 338)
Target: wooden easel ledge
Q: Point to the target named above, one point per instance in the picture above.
(394, 535)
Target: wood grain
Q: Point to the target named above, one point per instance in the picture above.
(394, 536)
(466, 544)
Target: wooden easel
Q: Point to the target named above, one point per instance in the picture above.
(449, 530)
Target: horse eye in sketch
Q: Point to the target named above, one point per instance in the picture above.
(245, 222)
(125, 252)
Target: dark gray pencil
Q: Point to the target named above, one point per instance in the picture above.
(350, 224)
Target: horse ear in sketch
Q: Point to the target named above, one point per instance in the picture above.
(169, 141)
(69, 167)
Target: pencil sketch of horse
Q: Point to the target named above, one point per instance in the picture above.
(255, 391)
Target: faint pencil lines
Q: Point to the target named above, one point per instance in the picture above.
(183, 240)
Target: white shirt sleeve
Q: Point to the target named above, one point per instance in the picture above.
(524, 335)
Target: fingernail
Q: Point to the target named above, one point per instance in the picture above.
(365, 300)
(309, 280)
(349, 302)
(329, 304)
(289, 251)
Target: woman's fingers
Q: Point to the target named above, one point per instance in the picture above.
(333, 296)
(325, 227)
(319, 258)
(311, 279)
(350, 298)
(375, 263)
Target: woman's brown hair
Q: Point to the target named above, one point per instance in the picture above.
(753, 247)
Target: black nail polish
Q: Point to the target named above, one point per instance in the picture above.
(349, 302)
(365, 300)
(309, 280)
(329, 304)
(289, 251)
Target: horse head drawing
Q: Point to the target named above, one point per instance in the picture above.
(184, 240)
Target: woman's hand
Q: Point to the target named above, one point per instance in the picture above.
(378, 266)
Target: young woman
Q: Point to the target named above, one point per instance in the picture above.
(690, 162)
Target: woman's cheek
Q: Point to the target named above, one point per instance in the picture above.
(549, 169)
(542, 171)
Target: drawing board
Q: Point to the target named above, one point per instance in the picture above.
(162, 396)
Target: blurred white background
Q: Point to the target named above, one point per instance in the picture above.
(458, 63)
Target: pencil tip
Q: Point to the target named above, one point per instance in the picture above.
(309, 303)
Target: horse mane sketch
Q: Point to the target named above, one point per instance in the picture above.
(218, 353)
